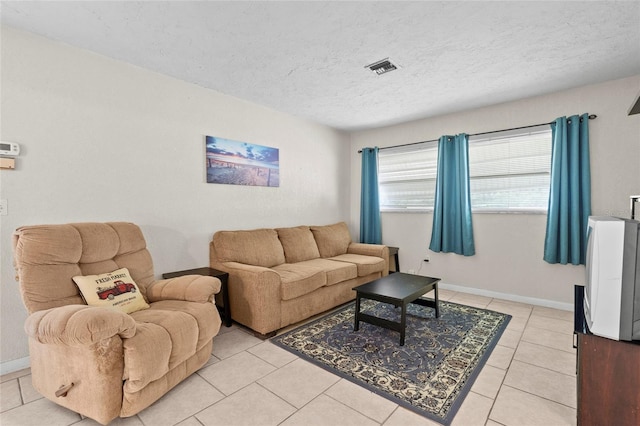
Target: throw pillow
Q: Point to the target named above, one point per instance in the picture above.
(115, 290)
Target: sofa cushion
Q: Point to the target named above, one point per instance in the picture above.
(115, 290)
(337, 272)
(298, 244)
(167, 334)
(259, 247)
(332, 240)
(298, 279)
(366, 264)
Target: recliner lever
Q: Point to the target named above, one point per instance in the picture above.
(62, 391)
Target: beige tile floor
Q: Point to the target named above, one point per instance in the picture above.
(528, 380)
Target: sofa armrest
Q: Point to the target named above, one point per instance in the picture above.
(78, 325)
(190, 288)
(254, 293)
(378, 250)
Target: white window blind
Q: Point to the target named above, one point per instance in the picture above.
(509, 173)
(407, 177)
(510, 170)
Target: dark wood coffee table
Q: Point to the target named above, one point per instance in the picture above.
(399, 290)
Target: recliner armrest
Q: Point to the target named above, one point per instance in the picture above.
(190, 288)
(78, 325)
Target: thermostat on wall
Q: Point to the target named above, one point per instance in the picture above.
(9, 148)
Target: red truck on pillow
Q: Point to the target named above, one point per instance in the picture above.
(119, 287)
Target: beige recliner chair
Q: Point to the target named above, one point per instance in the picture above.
(97, 361)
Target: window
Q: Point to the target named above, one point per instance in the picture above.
(407, 177)
(509, 173)
(510, 170)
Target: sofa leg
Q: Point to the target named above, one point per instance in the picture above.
(264, 336)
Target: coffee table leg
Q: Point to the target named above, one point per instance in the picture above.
(356, 317)
(403, 323)
(436, 301)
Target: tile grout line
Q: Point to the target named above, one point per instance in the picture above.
(493, 403)
(511, 362)
(541, 397)
(349, 407)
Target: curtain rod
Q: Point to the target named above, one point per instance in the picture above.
(591, 117)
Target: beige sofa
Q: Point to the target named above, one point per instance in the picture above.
(278, 277)
(99, 361)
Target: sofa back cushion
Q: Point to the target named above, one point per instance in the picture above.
(259, 247)
(332, 240)
(298, 244)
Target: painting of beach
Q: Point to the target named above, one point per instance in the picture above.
(241, 163)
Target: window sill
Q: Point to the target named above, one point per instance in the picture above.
(475, 211)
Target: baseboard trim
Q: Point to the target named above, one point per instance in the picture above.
(506, 296)
(14, 365)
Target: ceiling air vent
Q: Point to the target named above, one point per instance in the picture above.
(382, 66)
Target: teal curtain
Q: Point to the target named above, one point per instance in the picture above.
(370, 227)
(452, 229)
(569, 192)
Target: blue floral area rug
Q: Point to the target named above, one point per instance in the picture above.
(431, 374)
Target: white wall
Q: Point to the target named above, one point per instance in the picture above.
(508, 261)
(103, 140)
(106, 141)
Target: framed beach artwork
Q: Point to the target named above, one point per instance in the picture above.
(241, 163)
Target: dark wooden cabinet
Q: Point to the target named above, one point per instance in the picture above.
(608, 381)
(608, 376)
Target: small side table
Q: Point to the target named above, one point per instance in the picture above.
(393, 251)
(225, 309)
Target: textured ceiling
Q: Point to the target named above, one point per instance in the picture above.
(308, 58)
